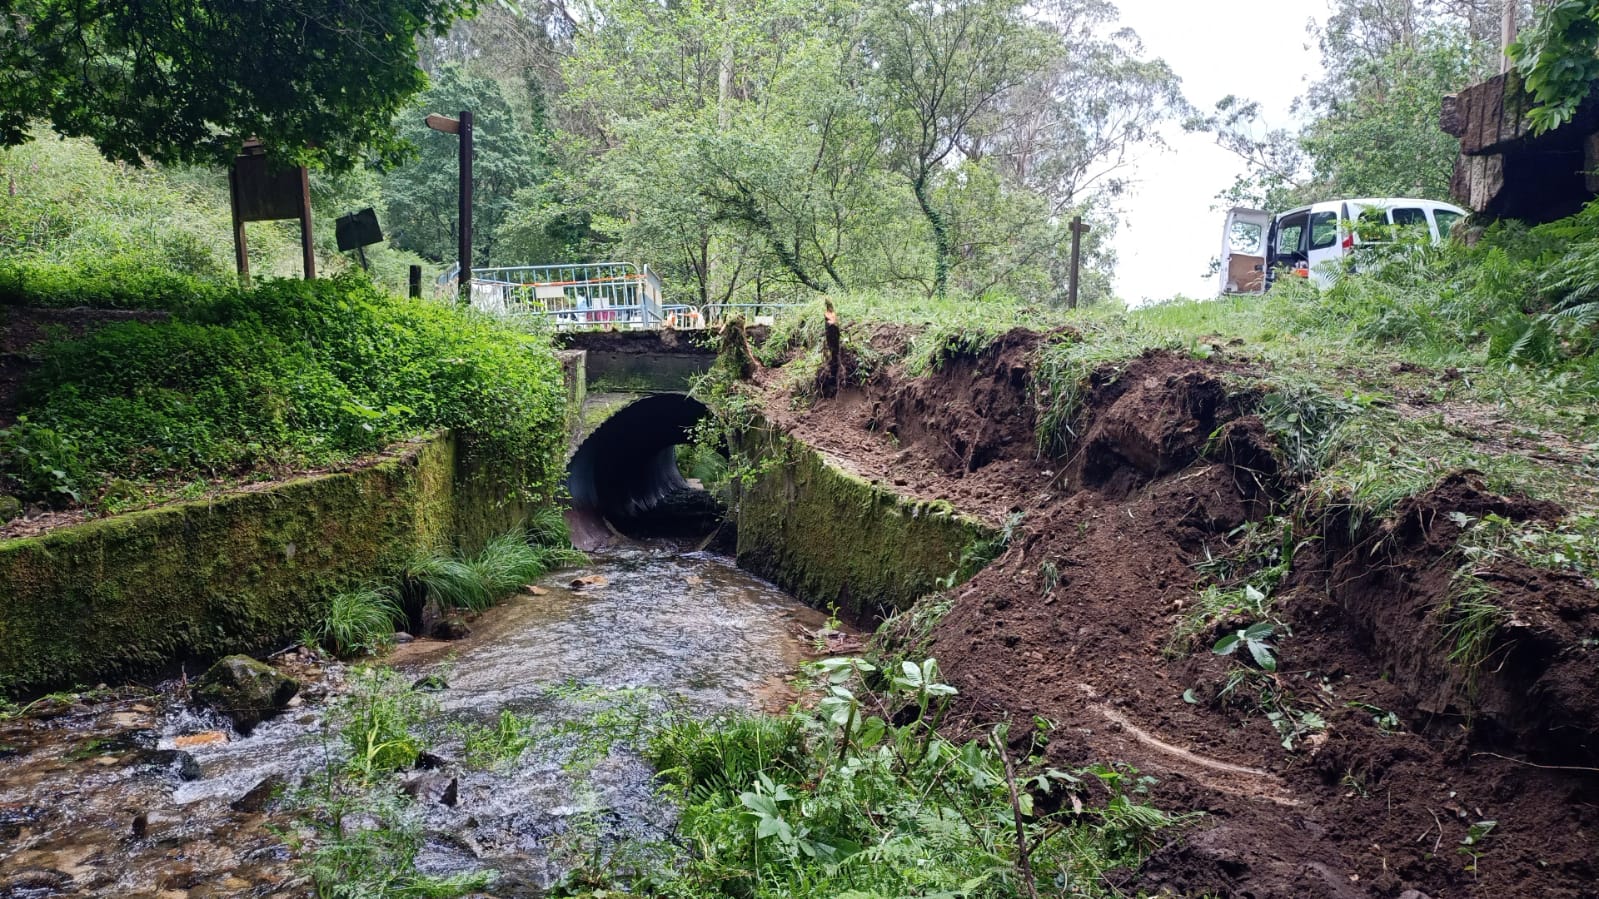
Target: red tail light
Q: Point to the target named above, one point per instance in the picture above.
(1349, 241)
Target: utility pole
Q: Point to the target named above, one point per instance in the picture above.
(1078, 230)
(462, 128)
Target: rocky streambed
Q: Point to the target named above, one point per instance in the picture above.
(138, 791)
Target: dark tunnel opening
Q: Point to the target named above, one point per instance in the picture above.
(624, 478)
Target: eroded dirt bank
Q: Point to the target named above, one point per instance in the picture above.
(1403, 756)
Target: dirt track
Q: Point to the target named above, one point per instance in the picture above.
(1074, 623)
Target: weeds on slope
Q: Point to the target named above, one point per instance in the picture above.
(863, 796)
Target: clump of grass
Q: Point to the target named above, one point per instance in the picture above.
(506, 563)
(1471, 618)
(450, 582)
(504, 741)
(361, 621)
(1062, 368)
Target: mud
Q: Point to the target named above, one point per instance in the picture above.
(1074, 622)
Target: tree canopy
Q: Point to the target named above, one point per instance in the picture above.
(186, 81)
(1371, 119)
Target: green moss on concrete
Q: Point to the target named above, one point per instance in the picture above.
(245, 572)
(835, 540)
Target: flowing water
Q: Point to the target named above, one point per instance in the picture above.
(135, 793)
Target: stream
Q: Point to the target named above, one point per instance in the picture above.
(133, 792)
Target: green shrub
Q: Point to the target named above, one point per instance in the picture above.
(288, 374)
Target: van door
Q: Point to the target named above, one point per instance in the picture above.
(1243, 251)
(1323, 248)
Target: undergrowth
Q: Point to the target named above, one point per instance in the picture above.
(862, 796)
(290, 374)
(1471, 616)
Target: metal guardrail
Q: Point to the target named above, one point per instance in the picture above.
(598, 295)
(594, 295)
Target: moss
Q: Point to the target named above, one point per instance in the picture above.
(134, 593)
(836, 540)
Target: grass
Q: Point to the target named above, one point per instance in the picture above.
(362, 621)
(506, 563)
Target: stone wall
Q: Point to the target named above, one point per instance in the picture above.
(836, 540)
(133, 594)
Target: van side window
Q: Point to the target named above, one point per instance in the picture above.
(1408, 216)
(1446, 222)
(1323, 230)
(1290, 234)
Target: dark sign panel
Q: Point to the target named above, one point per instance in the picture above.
(358, 229)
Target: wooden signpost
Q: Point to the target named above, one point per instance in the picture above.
(1078, 230)
(462, 128)
(262, 194)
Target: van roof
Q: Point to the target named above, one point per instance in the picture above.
(1378, 203)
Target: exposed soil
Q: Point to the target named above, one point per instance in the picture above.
(965, 436)
(1074, 623)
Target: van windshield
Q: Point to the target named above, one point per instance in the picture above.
(1446, 221)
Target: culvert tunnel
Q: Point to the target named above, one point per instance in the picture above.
(624, 478)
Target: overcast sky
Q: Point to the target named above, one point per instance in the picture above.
(1258, 49)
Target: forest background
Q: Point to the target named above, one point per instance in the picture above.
(772, 149)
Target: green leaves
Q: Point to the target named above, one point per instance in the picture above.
(1559, 60)
(1252, 638)
(318, 81)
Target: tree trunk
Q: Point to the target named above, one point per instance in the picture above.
(940, 235)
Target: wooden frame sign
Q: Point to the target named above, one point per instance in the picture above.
(262, 194)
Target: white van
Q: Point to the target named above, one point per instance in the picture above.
(1308, 240)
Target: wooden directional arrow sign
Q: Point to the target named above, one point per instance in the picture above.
(443, 123)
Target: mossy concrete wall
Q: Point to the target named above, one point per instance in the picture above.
(836, 540)
(246, 572)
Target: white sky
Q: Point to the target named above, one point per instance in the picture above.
(1257, 49)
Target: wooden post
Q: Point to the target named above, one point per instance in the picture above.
(465, 277)
(1078, 230)
(306, 251)
(415, 281)
(1507, 34)
(241, 252)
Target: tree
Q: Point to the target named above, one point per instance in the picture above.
(420, 199)
(186, 81)
(941, 66)
(1560, 61)
(1373, 129)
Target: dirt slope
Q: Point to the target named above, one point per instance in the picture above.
(1074, 623)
